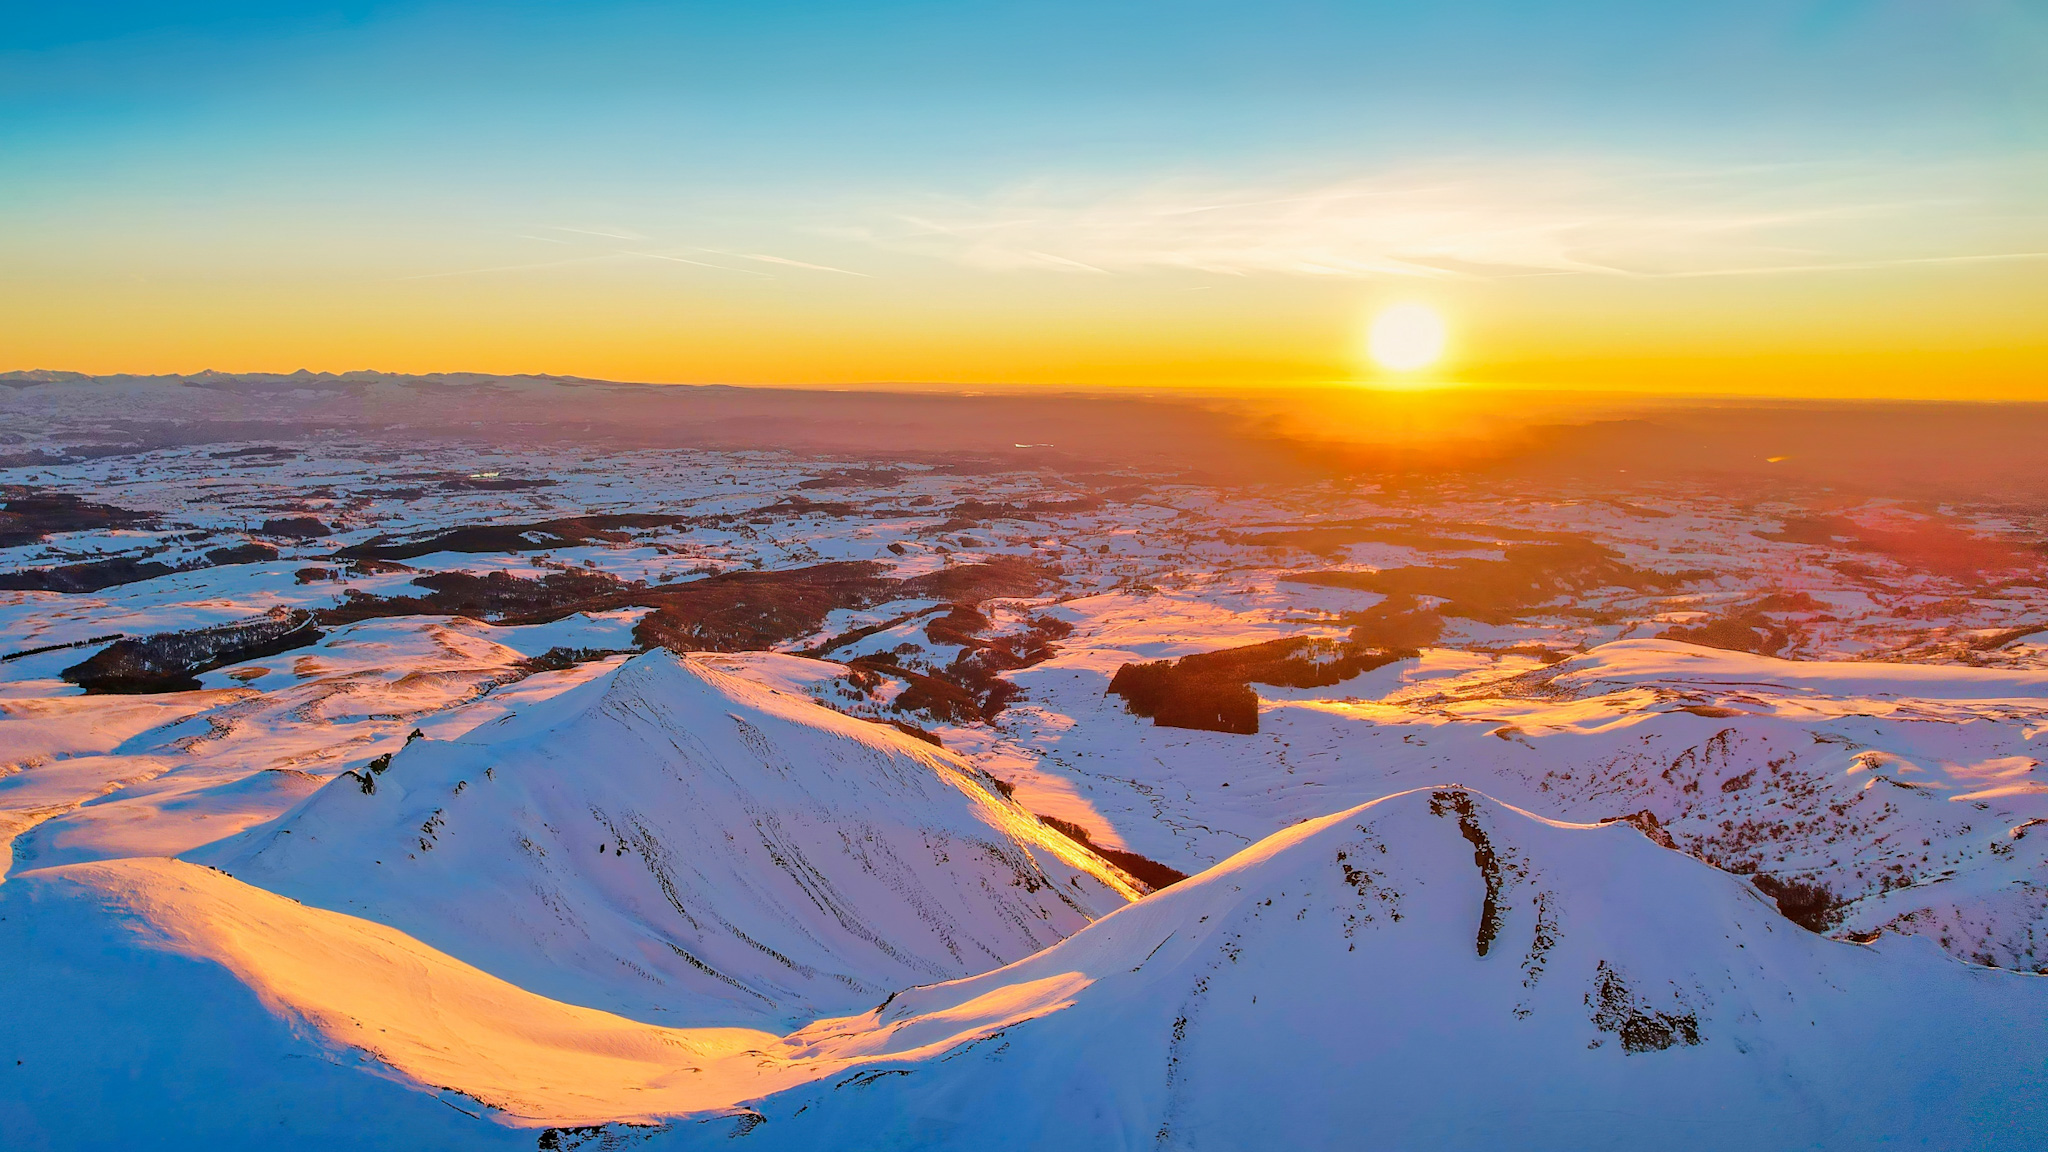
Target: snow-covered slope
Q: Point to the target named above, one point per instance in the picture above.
(122, 1029)
(1434, 969)
(672, 842)
(1439, 970)
(1914, 794)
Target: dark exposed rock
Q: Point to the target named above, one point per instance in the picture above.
(1616, 1009)
(1483, 855)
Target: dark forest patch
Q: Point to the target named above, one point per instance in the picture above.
(801, 506)
(742, 611)
(172, 661)
(1332, 536)
(973, 583)
(244, 553)
(1211, 691)
(95, 575)
(495, 595)
(296, 527)
(1497, 591)
(560, 658)
(972, 686)
(567, 532)
(1765, 627)
(749, 611)
(971, 512)
(855, 478)
(270, 451)
(1811, 906)
(1151, 873)
(941, 698)
(1942, 546)
(89, 576)
(28, 519)
(1396, 623)
(493, 484)
(958, 626)
(908, 729)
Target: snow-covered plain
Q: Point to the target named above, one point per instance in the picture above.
(495, 880)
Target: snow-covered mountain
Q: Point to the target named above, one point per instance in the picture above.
(679, 844)
(1434, 969)
(1440, 970)
(1883, 795)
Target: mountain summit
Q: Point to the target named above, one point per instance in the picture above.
(672, 842)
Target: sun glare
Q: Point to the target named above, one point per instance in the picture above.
(1406, 337)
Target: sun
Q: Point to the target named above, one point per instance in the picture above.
(1406, 337)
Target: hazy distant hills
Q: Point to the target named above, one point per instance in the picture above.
(1928, 448)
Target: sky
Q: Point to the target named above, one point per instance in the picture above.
(1816, 198)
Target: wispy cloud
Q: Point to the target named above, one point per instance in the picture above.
(784, 260)
(1456, 222)
(516, 267)
(674, 259)
(613, 234)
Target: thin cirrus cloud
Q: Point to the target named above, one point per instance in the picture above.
(1449, 223)
(618, 255)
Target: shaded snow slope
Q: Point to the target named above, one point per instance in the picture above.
(1440, 970)
(668, 839)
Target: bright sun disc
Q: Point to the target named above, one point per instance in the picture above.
(1407, 337)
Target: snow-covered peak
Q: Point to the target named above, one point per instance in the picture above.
(673, 842)
(1438, 969)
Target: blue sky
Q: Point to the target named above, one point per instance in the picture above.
(321, 145)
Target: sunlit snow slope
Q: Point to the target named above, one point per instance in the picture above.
(676, 843)
(1439, 970)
